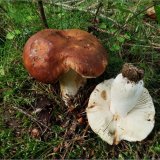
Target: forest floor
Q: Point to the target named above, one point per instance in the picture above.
(58, 131)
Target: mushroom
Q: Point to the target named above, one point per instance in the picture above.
(121, 108)
(70, 56)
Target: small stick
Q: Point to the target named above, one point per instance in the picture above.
(31, 117)
(129, 15)
(101, 30)
(86, 11)
(148, 24)
(42, 14)
(70, 1)
(85, 130)
(78, 3)
(145, 46)
(98, 9)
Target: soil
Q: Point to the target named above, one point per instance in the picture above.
(133, 73)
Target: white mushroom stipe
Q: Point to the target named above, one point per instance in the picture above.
(113, 128)
(70, 83)
(124, 95)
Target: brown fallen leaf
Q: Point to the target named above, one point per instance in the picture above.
(80, 120)
(35, 133)
(151, 12)
(57, 148)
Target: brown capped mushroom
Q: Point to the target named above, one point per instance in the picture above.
(69, 56)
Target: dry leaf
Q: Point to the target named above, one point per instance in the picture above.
(151, 13)
(35, 133)
(80, 120)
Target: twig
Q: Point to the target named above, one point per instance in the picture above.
(42, 14)
(64, 139)
(129, 15)
(101, 30)
(86, 11)
(70, 147)
(155, 44)
(139, 45)
(134, 16)
(149, 25)
(98, 9)
(137, 14)
(72, 142)
(31, 117)
(65, 153)
(78, 3)
(85, 130)
(71, 1)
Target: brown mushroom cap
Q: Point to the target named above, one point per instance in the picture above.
(50, 53)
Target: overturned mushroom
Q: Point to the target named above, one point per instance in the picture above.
(69, 56)
(121, 108)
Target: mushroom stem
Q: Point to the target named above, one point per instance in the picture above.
(126, 89)
(70, 83)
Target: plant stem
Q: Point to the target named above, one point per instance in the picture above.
(31, 117)
(42, 14)
(98, 9)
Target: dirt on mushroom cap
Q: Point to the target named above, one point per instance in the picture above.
(132, 73)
